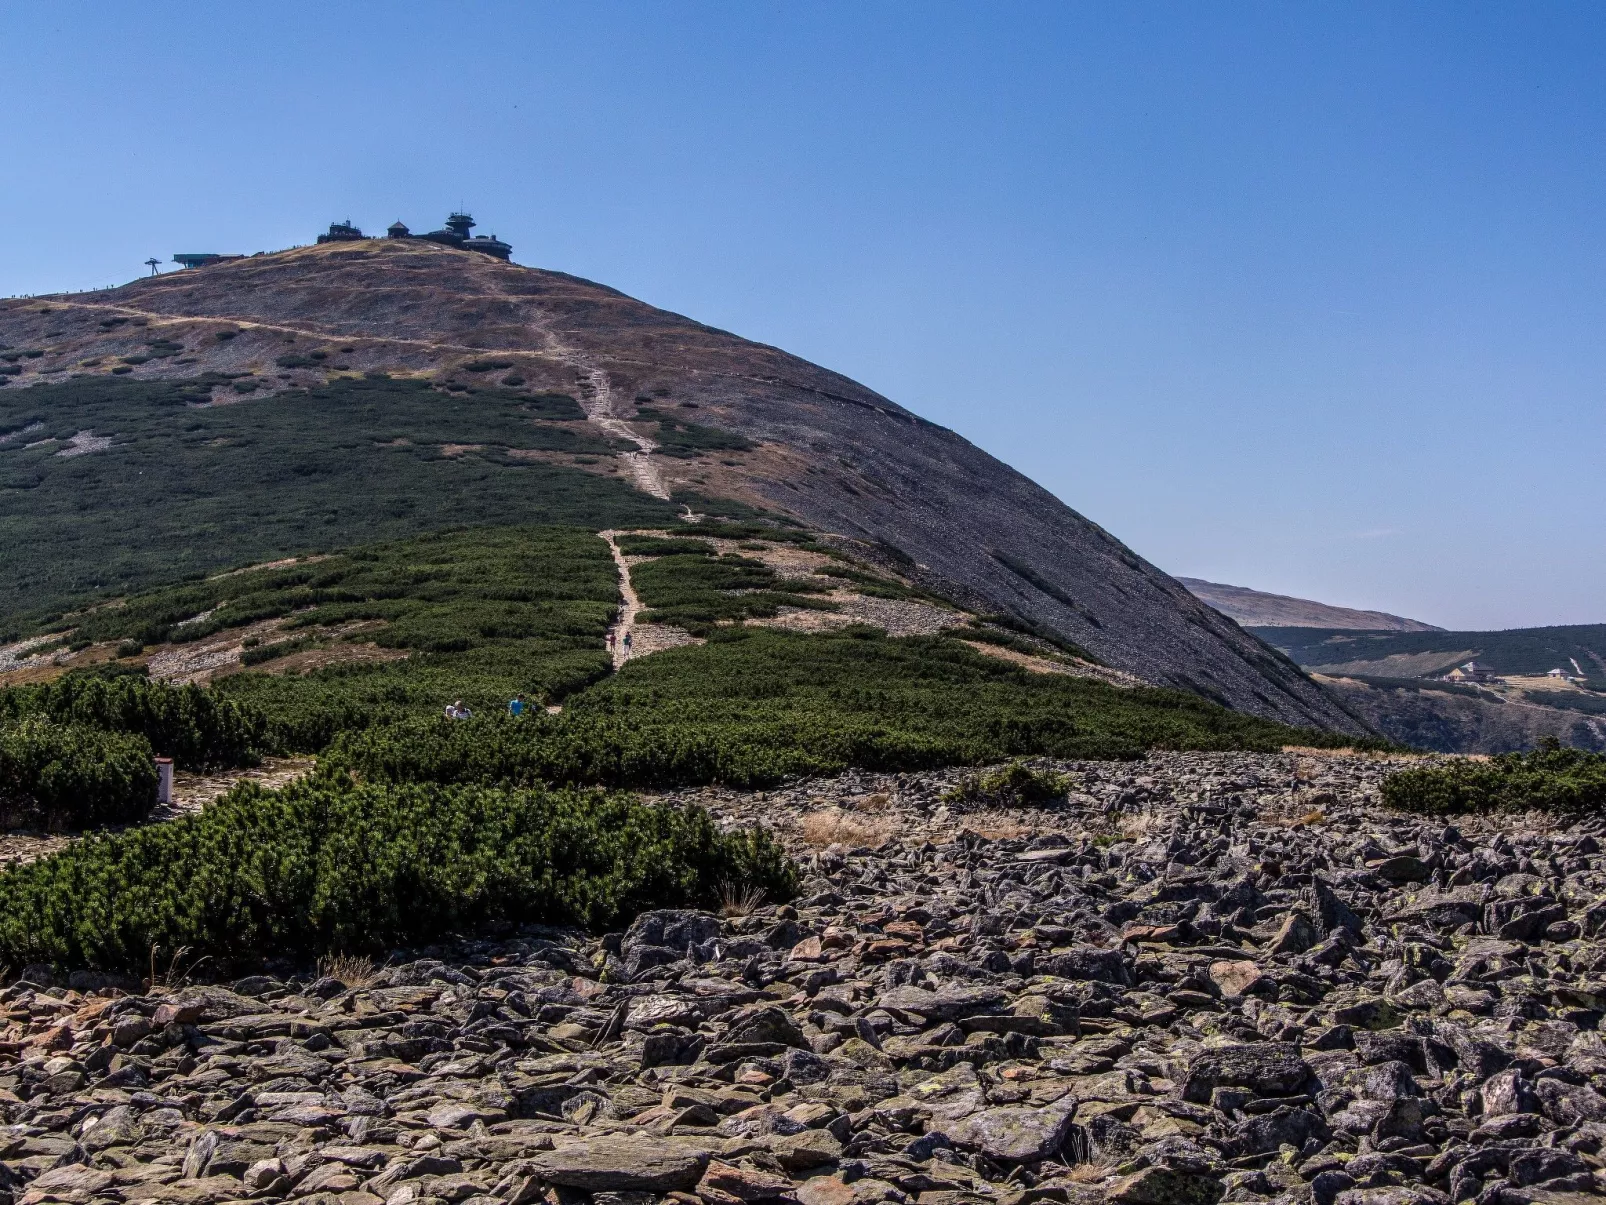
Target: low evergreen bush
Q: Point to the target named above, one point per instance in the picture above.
(1014, 785)
(328, 866)
(1550, 778)
(73, 776)
(199, 729)
(756, 706)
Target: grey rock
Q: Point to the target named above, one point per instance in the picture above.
(618, 1163)
(1017, 1135)
(1266, 1068)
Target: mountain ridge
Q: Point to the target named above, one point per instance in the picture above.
(1259, 609)
(821, 449)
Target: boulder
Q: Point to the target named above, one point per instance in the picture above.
(622, 1163)
(1265, 1068)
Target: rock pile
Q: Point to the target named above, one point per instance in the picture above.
(1202, 978)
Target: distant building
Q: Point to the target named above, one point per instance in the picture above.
(199, 259)
(341, 232)
(454, 234)
(1564, 676)
(1471, 671)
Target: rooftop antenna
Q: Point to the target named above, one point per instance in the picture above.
(153, 265)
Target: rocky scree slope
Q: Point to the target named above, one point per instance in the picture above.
(1200, 978)
(830, 452)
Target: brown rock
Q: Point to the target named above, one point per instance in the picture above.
(1234, 980)
(177, 1014)
(725, 1182)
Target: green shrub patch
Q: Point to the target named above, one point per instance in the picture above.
(189, 488)
(484, 614)
(327, 866)
(1550, 778)
(197, 728)
(73, 776)
(683, 440)
(699, 591)
(756, 706)
(1014, 785)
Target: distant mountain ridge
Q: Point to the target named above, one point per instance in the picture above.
(1395, 680)
(1257, 609)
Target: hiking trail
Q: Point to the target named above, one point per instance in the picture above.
(597, 402)
(625, 626)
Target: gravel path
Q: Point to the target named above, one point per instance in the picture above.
(622, 635)
(597, 402)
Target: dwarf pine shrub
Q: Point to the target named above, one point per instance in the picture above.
(325, 865)
(1550, 778)
(197, 728)
(1014, 785)
(71, 776)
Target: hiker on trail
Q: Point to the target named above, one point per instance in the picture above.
(627, 641)
(515, 707)
(456, 711)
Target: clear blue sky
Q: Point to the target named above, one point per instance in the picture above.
(1305, 297)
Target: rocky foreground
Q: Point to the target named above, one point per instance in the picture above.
(1205, 977)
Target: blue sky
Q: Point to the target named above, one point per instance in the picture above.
(1305, 297)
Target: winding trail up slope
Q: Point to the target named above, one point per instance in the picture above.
(830, 452)
(621, 637)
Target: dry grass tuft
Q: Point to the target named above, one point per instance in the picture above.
(998, 826)
(354, 970)
(1089, 1173)
(1138, 827)
(833, 826)
(175, 975)
(1347, 751)
(1119, 826)
(739, 900)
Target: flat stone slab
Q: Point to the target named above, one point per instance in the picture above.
(616, 1163)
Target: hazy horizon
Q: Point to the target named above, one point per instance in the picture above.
(1301, 299)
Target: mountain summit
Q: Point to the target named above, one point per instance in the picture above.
(683, 412)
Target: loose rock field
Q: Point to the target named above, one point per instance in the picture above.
(1201, 978)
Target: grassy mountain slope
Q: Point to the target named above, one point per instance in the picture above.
(186, 486)
(734, 420)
